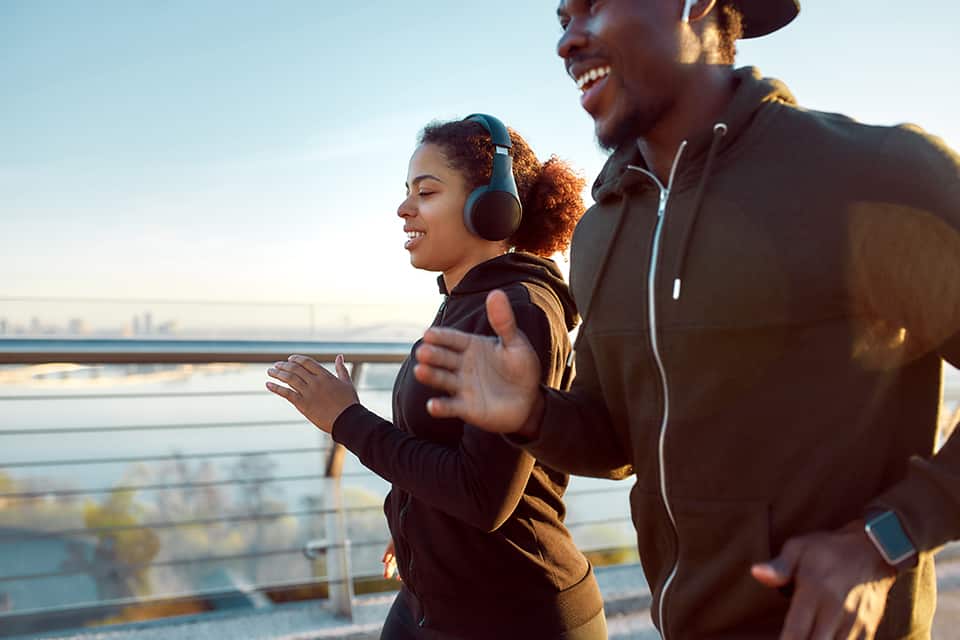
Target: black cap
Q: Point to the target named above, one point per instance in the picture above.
(761, 17)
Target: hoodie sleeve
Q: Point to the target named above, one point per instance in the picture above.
(909, 264)
(480, 482)
(576, 433)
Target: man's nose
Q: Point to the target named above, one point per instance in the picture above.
(573, 39)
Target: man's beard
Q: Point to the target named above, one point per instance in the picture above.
(638, 123)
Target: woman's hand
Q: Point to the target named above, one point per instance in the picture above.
(390, 562)
(316, 393)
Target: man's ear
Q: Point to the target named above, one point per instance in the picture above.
(694, 10)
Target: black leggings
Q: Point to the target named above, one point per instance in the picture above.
(400, 625)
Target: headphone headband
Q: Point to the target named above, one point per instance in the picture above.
(497, 130)
(493, 211)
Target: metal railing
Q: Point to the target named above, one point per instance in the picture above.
(118, 544)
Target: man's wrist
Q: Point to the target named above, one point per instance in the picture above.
(888, 537)
(530, 429)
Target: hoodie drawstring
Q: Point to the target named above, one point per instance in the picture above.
(719, 130)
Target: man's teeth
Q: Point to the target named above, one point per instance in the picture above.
(589, 77)
(414, 234)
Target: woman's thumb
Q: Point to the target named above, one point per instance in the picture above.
(342, 372)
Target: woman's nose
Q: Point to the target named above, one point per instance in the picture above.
(406, 209)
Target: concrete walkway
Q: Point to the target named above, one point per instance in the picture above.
(626, 598)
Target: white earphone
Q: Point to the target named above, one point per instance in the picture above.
(687, 6)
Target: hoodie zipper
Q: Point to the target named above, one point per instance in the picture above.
(661, 370)
(437, 321)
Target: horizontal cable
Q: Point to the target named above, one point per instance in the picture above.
(6, 538)
(150, 427)
(583, 523)
(590, 492)
(24, 495)
(186, 456)
(292, 585)
(162, 394)
(176, 562)
(133, 396)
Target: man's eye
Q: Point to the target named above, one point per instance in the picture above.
(426, 193)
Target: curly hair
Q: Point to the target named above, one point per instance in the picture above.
(549, 192)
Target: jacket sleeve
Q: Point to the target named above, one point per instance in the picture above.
(913, 279)
(577, 434)
(479, 482)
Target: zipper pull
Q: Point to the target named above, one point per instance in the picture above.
(662, 208)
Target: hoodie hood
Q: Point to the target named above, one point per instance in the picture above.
(510, 268)
(752, 93)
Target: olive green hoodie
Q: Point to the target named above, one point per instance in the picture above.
(762, 348)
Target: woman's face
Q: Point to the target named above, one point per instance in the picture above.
(432, 213)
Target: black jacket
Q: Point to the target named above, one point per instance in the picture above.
(478, 523)
(794, 382)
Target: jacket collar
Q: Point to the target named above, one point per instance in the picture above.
(752, 93)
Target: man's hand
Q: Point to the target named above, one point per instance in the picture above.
(493, 383)
(840, 584)
(315, 392)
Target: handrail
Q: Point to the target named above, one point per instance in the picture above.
(160, 351)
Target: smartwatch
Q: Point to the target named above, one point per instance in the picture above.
(887, 535)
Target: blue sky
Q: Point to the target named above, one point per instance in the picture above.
(210, 150)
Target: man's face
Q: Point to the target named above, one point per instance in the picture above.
(623, 54)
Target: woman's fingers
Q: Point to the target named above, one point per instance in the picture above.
(309, 364)
(284, 392)
(289, 373)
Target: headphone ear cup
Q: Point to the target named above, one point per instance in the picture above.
(470, 210)
(492, 214)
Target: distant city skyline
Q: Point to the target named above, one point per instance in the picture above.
(142, 318)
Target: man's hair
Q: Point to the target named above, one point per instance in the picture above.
(730, 29)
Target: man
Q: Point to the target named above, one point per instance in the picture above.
(768, 294)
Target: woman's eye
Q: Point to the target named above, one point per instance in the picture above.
(426, 193)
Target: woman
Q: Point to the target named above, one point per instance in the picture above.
(477, 524)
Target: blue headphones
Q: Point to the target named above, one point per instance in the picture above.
(493, 211)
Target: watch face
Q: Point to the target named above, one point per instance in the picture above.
(890, 538)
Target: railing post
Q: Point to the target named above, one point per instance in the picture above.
(339, 575)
